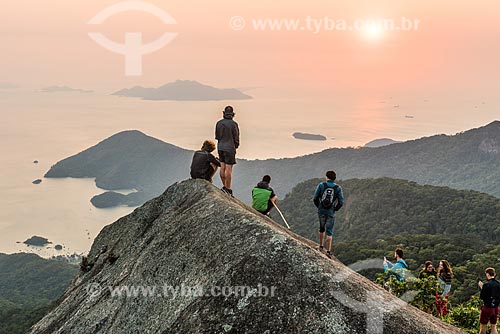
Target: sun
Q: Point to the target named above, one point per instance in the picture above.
(373, 31)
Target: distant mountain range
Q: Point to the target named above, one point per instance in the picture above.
(184, 90)
(132, 160)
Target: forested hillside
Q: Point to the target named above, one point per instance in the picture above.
(429, 222)
(28, 287)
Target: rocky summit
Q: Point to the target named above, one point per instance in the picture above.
(194, 260)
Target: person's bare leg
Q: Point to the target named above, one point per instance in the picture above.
(214, 167)
(229, 176)
(321, 238)
(482, 329)
(494, 329)
(328, 243)
(223, 173)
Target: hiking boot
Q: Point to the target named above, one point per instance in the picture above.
(329, 255)
(321, 249)
(227, 191)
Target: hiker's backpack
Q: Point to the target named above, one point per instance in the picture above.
(328, 196)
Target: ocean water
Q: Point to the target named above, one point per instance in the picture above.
(49, 127)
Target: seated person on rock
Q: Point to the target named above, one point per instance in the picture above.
(263, 196)
(204, 164)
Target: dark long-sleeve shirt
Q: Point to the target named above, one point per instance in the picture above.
(490, 293)
(227, 134)
(200, 166)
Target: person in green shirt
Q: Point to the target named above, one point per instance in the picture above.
(263, 196)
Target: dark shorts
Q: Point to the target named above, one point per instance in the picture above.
(488, 314)
(227, 157)
(326, 223)
(270, 206)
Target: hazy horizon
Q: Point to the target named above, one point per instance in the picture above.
(452, 53)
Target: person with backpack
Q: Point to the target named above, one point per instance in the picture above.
(490, 294)
(328, 198)
(227, 134)
(263, 196)
(204, 164)
(399, 268)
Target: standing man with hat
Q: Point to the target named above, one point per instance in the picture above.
(227, 134)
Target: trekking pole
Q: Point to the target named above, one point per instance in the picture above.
(281, 214)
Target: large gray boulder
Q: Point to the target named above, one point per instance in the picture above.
(196, 236)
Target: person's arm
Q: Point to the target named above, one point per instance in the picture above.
(387, 264)
(273, 197)
(482, 295)
(340, 199)
(213, 160)
(236, 135)
(317, 194)
(274, 200)
(217, 131)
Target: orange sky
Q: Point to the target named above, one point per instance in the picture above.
(455, 51)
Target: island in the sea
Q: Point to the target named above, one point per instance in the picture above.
(381, 142)
(308, 136)
(61, 89)
(37, 241)
(183, 90)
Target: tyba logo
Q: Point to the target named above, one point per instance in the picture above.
(133, 49)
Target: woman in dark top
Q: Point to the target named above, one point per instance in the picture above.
(445, 275)
(428, 271)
